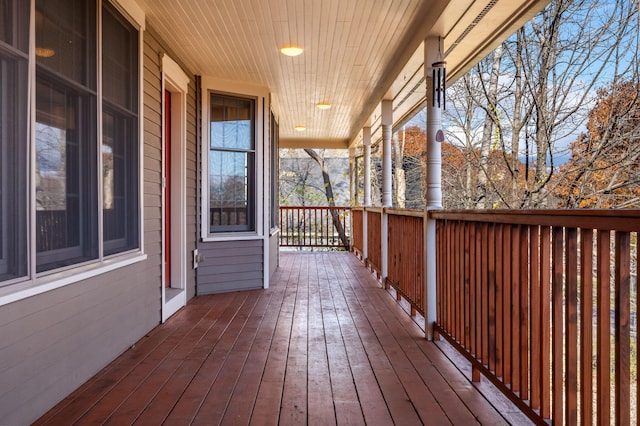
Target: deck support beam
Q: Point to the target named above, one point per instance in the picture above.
(432, 53)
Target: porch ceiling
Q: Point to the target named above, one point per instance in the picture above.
(356, 52)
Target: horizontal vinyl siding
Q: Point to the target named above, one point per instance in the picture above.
(54, 342)
(230, 266)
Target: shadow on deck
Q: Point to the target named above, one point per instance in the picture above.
(324, 345)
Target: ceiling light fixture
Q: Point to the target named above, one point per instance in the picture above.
(291, 50)
(323, 105)
(44, 52)
(300, 128)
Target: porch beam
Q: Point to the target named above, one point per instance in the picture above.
(433, 47)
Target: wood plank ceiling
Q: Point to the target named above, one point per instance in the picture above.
(356, 52)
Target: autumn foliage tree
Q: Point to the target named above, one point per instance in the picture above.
(604, 169)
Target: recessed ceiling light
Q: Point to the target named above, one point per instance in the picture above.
(291, 50)
(44, 52)
(323, 105)
(300, 128)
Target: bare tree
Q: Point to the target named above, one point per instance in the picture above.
(535, 92)
(328, 190)
(399, 179)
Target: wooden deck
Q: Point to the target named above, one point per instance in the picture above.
(324, 345)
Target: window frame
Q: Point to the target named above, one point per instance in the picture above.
(14, 250)
(274, 173)
(251, 162)
(34, 283)
(242, 90)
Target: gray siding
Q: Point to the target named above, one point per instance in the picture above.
(54, 342)
(230, 266)
(154, 51)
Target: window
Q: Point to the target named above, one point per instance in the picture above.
(231, 164)
(65, 136)
(14, 33)
(86, 198)
(119, 133)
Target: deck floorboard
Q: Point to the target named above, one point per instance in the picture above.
(325, 344)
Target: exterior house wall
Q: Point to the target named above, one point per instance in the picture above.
(232, 261)
(54, 341)
(230, 266)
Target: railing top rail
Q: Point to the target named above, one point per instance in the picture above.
(315, 207)
(404, 212)
(392, 210)
(619, 220)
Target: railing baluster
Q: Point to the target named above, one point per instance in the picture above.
(484, 280)
(491, 283)
(604, 328)
(623, 329)
(545, 321)
(468, 282)
(507, 315)
(536, 318)
(516, 289)
(524, 311)
(499, 302)
(586, 326)
(571, 326)
(557, 324)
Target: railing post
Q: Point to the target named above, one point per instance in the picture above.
(366, 141)
(387, 200)
(432, 53)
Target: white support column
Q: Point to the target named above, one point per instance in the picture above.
(387, 122)
(352, 177)
(366, 142)
(432, 49)
(387, 199)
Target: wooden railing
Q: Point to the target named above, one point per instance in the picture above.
(544, 304)
(314, 227)
(357, 240)
(406, 256)
(374, 240)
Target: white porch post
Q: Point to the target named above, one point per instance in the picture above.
(387, 122)
(387, 201)
(352, 177)
(366, 142)
(432, 49)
